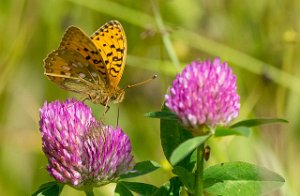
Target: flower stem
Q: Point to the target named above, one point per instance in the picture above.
(89, 192)
(199, 171)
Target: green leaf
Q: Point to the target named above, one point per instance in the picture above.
(140, 188)
(162, 115)
(258, 122)
(186, 148)
(172, 134)
(49, 189)
(193, 157)
(172, 187)
(186, 177)
(223, 131)
(122, 190)
(162, 191)
(242, 128)
(141, 168)
(240, 178)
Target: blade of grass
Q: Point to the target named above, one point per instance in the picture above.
(118, 10)
(165, 36)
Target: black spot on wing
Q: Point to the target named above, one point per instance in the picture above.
(96, 61)
(120, 50)
(94, 52)
(114, 70)
(117, 59)
(118, 64)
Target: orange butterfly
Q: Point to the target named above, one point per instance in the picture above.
(92, 66)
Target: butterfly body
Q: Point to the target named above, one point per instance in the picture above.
(91, 66)
(106, 95)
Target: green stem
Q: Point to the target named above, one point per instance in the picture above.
(199, 171)
(89, 192)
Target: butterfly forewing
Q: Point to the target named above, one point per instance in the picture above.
(76, 40)
(111, 42)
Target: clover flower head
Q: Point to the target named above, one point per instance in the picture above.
(204, 93)
(82, 152)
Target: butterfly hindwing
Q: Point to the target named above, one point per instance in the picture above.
(111, 42)
(71, 71)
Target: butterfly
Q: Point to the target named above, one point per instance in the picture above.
(92, 66)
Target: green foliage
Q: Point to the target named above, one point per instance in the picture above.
(122, 190)
(242, 128)
(240, 178)
(225, 131)
(170, 188)
(141, 168)
(172, 134)
(185, 176)
(186, 148)
(140, 188)
(49, 189)
(258, 122)
(167, 115)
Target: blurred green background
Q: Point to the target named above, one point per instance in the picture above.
(259, 39)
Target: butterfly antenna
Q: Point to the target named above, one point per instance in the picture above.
(143, 82)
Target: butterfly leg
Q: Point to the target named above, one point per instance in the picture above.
(107, 107)
(103, 114)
